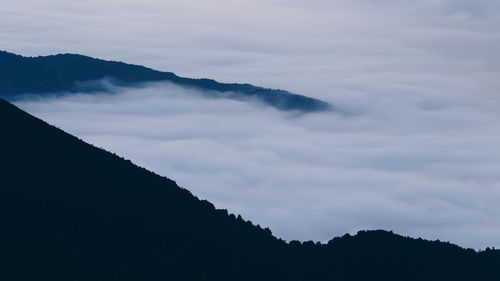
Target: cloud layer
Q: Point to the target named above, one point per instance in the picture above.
(418, 166)
(415, 149)
(316, 48)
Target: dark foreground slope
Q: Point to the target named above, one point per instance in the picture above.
(67, 72)
(70, 211)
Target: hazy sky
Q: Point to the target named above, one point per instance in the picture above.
(415, 149)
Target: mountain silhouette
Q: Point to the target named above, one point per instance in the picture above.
(65, 73)
(71, 211)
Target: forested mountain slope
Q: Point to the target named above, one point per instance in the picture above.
(71, 73)
(71, 211)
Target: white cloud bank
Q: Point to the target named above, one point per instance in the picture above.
(416, 150)
(421, 166)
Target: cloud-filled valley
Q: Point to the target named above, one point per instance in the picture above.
(412, 146)
(422, 165)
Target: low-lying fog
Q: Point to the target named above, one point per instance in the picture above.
(415, 164)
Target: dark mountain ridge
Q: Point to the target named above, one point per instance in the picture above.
(65, 73)
(71, 211)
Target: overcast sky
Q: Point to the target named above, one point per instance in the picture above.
(415, 149)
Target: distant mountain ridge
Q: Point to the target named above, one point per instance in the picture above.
(71, 211)
(66, 72)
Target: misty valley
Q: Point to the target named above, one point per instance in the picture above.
(112, 171)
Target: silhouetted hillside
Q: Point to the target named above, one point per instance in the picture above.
(66, 72)
(70, 211)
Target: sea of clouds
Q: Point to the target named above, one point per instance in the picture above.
(412, 147)
(418, 166)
